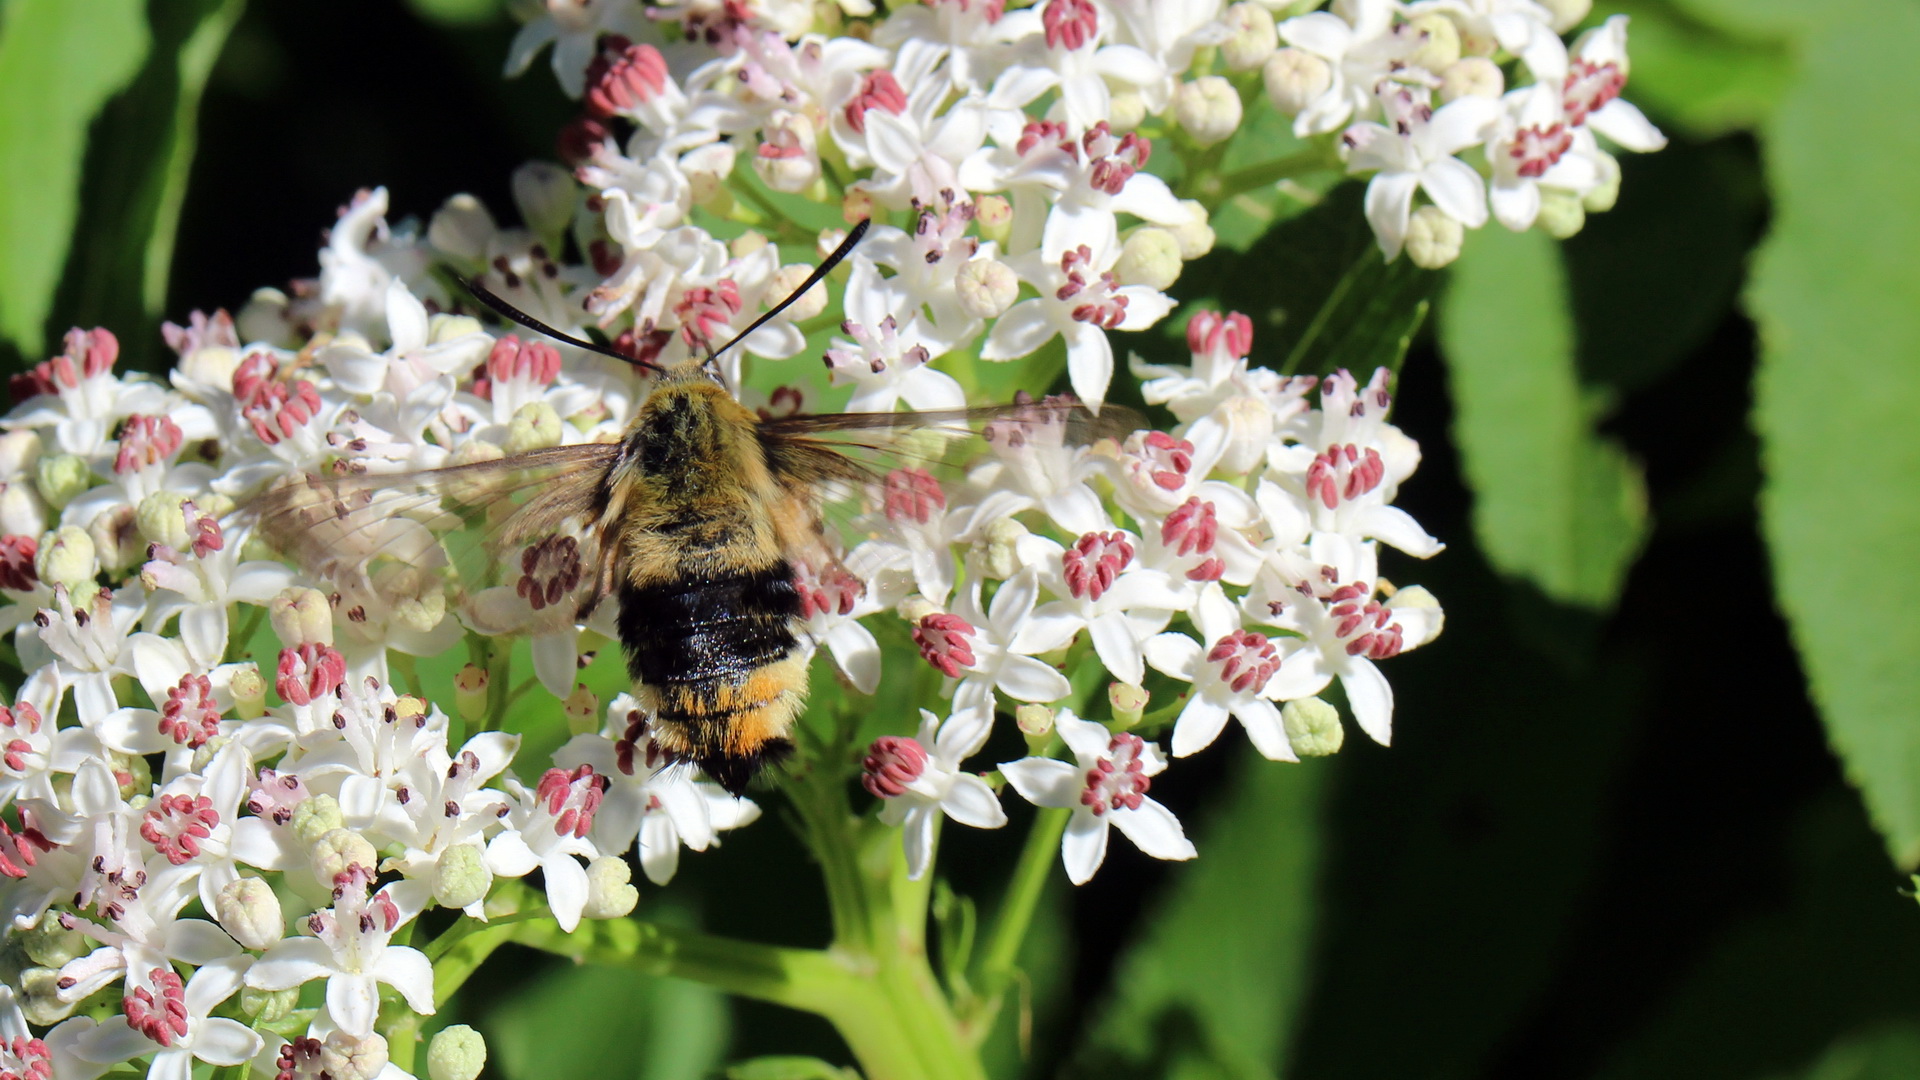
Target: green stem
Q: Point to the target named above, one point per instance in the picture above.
(499, 653)
(999, 961)
(1216, 189)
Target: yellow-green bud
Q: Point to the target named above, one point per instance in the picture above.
(1561, 215)
(1567, 14)
(610, 892)
(344, 1057)
(22, 513)
(986, 287)
(19, 452)
(1416, 597)
(1293, 78)
(545, 194)
(1471, 76)
(461, 876)
(1150, 257)
(301, 616)
(203, 754)
(162, 519)
(856, 206)
(1439, 41)
(462, 227)
(1254, 37)
(917, 607)
(338, 850)
(444, 326)
(535, 426)
(1125, 109)
(481, 486)
(1034, 721)
(116, 538)
(993, 216)
(248, 910)
(810, 303)
(1129, 703)
(268, 1005)
(456, 1053)
(40, 997)
(61, 478)
(51, 945)
(249, 692)
(1208, 108)
(315, 817)
(999, 547)
(583, 710)
(1313, 727)
(1600, 198)
(1434, 238)
(1194, 235)
(66, 558)
(470, 692)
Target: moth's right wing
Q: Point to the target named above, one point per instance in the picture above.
(533, 523)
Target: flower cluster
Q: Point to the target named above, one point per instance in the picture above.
(1412, 86)
(192, 810)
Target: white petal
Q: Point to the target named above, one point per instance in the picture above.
(406, 317)
(1154, 830)
(220, 1041)
(112, 1042)
(1389, 205)
(509, 856)
(1088, 740)
(1624, 123)
(1516, 204)
(198, 941)
(556, 660)
(566, 890)
(1028, 679)
(1118, 649)
(1455, 188)
(1084, 847)
(1458, 125)
(352, 1001)
(1200, 723)
(1022, 329)
(214, 983)
(408, 971)
(1261, 718)
(203, 628)
(917, 836)
(1322, 33)
(1089, 363)
(1371, 697)
(1049, 628)
(1395, 527)
(1173, 654)
(972, 802)
(1044, 781)
(290, 963)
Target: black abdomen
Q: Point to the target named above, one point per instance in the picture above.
(708, 630)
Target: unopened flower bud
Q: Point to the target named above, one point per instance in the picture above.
(583, 710)
(993, 216)
(857, 206)
(19, 452)
(268, 1005)
(610, 892)
(788, 158)
(1561, 215)
(300, 616)
(116, 538)
(482, 485)
(315, 817)
(1129, 703)
(1417, 598)
(22, 513)
(1254, 37)
(987, 288)
(535, 426)
(1439, 41)
(249, 691)
(1600, 198)
(456, 1053)
(1567, 14)
(999, 547)
(1208, 108)
(1194, 235)
(40, 997)
(470, 693)
(1150, 257)
(916, 607)
(50, 944)
(61, 478)
(445, 326)
(1313, 727)
(248, 910)
(545, 194)
(461, 228)
(162, 519)
(1471, 76)
(339, 850)
(66, 557)
(1125, 109)
(1034, 721)
(265, 318)
(751, 242)
(1434, 238)
(344, 1057)
(461, 877)
(810, 304)
(1293, 78)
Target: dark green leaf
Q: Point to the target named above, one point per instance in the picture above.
(1554, 503)
(587, 1023)
(1891, 1053)
(789, 1068)
(1837, 396)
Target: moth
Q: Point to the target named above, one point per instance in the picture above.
(693, 523)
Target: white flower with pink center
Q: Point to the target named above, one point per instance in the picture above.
(202, 583)
(1034, 467)
(547, 830)
(912, 536)
(1596, 74)
(887, 360)
(31, 748)
(88, 642)
(983, 652)
(1204, 539)
(1343, 465)
(1104, 590)
(1534, 146)
(190, 824)
(920, 779)
(1414, 151)
(170, 1019)
(1235, 672)
(440, 802)
(1358, 48)
(1106, 787)
(351, 949)
(573, 28)
(78, 396)
(833, 599)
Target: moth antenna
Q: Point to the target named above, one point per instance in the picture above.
(513, 314)
(826, 267)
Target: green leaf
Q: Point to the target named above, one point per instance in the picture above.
(586, 1023)
(1892, 1053)
(1554, 503)
(59, 63)
(1837, 396)
(787, 1067)
(1699, 76)
(135, 180)
(1213, 986)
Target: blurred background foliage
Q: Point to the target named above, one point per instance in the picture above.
(1653, 790)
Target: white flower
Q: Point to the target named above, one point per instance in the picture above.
(1596, 75)
(1104, 590)
(1533, 146)
(887, 360)
(920, 779)
(573, 27)
(350, 949)
(546, 830)
(982, 649)
(1358, 51)
(173, 1023)
(1234, 672)
(1106, 786)
(1416, 153)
